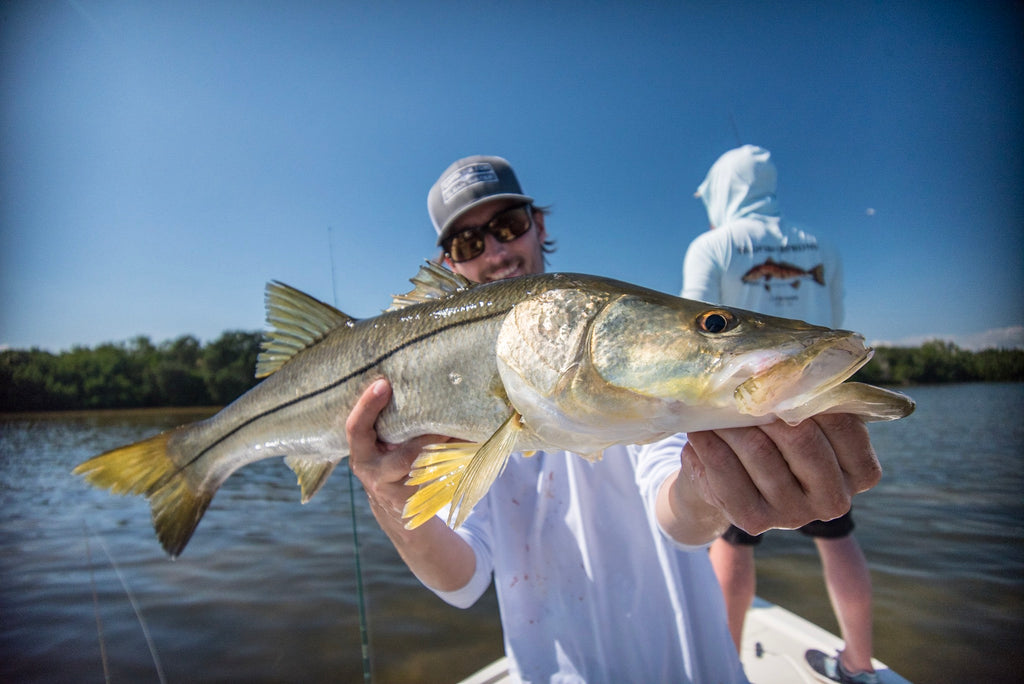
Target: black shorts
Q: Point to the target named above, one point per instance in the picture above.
(820, 529)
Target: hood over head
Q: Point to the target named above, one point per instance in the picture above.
(742, 181)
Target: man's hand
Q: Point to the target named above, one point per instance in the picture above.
(770, 476)
(381, 467)
(438, 556)
(784, 476)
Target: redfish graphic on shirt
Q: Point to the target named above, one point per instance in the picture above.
(770, 270)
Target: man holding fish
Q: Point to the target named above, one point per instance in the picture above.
(492, 388)
(601, 569)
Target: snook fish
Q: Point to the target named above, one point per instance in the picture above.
(557, 361)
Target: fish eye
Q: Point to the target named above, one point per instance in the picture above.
(715, 321)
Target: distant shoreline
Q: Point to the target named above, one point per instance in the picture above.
(186, 373)
(199, 411)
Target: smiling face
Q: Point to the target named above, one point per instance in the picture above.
(522, 256)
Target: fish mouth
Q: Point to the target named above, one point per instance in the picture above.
(818, 367)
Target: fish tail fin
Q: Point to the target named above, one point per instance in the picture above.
(818, 274)
(177, 510)
(148, 469)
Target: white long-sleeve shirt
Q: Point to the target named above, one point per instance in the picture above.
(590, 589)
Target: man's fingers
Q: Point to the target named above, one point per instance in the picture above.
(851, 443)
(778, 475)
(359, 426)
(721, 476)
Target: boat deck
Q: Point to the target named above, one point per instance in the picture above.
(774, 642)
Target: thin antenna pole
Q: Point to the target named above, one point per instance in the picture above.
(735, 130)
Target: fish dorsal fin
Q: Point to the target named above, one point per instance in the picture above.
(297, 321)
(312, 474)
(432, 282)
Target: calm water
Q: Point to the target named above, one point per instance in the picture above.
(266, 590)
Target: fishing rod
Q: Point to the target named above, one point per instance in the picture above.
(364, 632)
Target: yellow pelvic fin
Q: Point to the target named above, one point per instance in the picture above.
(431, 283)
(297, 321)
(437, 471)
(484, 469)
(146, 468)
(312, 474)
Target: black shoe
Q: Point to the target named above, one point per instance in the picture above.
(831, 667)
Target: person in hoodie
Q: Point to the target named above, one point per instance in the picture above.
(752, 259)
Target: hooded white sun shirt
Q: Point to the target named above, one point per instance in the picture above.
(753, 260)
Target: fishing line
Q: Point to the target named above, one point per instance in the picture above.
(135, 607)
(364, 632)
(96, 605)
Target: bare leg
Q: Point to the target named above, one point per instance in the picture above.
(849, 588)
(734, 567)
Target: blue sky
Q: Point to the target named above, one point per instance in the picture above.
(161, 161)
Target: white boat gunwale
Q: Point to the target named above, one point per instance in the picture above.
(774, 643)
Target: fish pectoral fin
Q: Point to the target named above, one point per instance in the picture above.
(484, 469)
(441, 460)
(459, 474)
(312, 474)
(147, 468)
(867, 401)
(297, 321)
(437, 471)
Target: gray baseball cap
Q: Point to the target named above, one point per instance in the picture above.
(467, 183)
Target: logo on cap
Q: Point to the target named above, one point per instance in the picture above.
(464, 177)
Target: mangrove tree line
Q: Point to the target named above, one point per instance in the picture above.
(138, 373)
(184, 372)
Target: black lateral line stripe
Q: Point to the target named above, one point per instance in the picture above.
(341, 381)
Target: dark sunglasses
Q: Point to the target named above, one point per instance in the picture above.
(505, 226)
